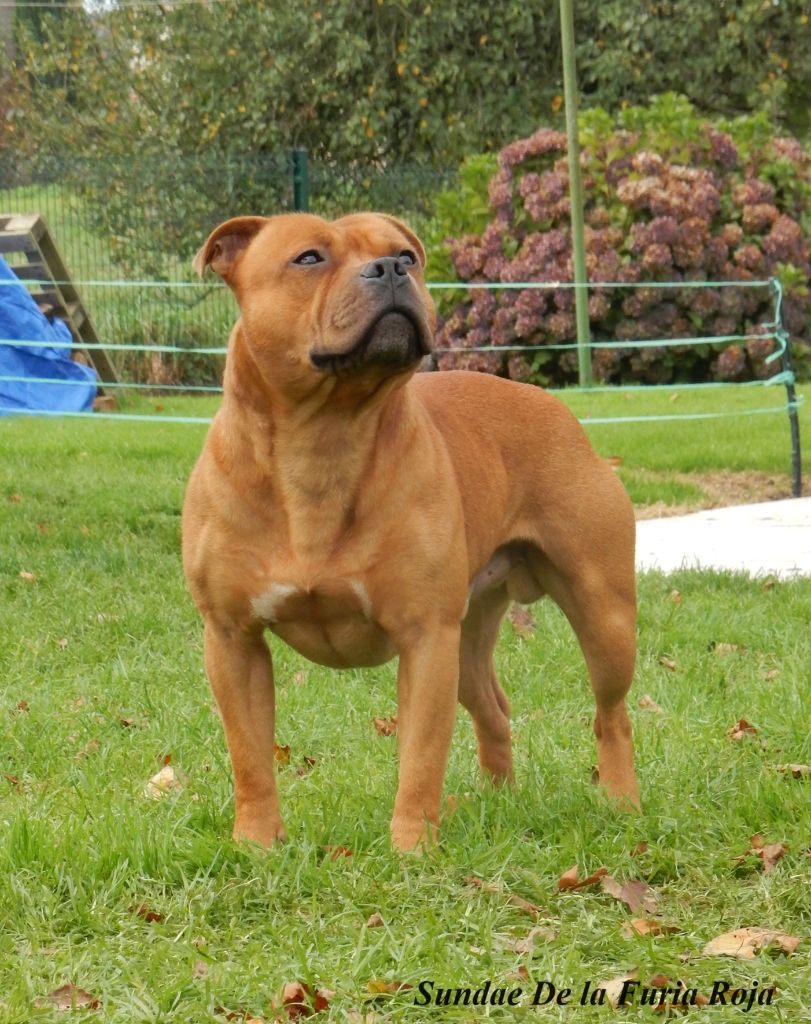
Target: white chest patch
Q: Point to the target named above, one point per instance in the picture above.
(362, 595)
(266, 606)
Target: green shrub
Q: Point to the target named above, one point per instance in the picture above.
(669, 197)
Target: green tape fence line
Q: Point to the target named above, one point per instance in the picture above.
(713, 339)
(432, 285)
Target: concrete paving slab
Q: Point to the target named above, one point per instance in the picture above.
(769, 539)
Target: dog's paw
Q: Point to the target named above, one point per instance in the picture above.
(264, 834)
(410, 836)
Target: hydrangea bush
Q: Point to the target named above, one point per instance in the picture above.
(668, 198)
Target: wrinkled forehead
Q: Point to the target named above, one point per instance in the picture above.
(363, 234)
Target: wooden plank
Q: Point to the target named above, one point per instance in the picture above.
(32, 272)
(13, 241)
(28, 233)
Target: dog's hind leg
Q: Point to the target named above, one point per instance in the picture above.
(601, 607)
(479, 689)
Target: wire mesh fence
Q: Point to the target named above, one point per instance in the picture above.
(128, 235)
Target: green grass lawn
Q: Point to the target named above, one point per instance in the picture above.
(101, 679)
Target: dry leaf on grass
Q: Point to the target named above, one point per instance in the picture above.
(337, 852)
(741, 729)
(298, 999)
(636, 895)
(22, 705)
(375, 920)
(640, 848)
(164, 782)
(746, 943)
(68, 997)
(569, 881)
(145, 911)
(497, 889)
(647, 703)
(526, 946)
(199, 970)
(769, 853)
(14, 781)
(386, 726)
(521, 620)
(29, 577)
(647, 926)
(613, 987)
(796, 771)
(675, 597)
(386, 988)
(281, 754)
(723, 649)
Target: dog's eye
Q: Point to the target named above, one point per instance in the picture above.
(408, 258)
(309, 258)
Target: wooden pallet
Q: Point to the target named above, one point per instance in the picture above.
(27, 235)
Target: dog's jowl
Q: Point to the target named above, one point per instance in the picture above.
(360, 512)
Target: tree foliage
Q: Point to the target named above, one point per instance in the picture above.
(379, 80)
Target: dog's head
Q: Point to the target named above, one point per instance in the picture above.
(344, 299)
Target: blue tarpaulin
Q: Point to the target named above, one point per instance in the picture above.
(30, 367)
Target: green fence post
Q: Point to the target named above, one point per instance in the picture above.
(581, 295)
(301, 180)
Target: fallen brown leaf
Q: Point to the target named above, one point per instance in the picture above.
(28, 576)
(668, 663)
(569, 880)
(521, 620)
(772, 674)
(144, 911)
(299, 1000)
(282, 754)
(526, 946)
(200, 969)
(164, 782)
(89, 748)
(647, 926)
(522, 974)
(383, 988)
(675, 597)
(796, 771)
(636, 895)
(497, 889)
(69, 997)
(375, 920)
(133, 723)
(62, 642)
(722, 649)
(306, 765)
(769, 853)
(640, 848)
(336, 852)
(746, 943)
(386, 726)
(741, 729)
(14, 781)
(22, 705)
(15, 499)
(647, 703)
(613, 986)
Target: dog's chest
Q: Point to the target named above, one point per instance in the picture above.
(330, 621)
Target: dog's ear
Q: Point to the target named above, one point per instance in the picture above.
(226, 244)
(409, 234)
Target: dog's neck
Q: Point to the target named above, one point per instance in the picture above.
(315, 455)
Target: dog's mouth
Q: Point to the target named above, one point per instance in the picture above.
(395, 339)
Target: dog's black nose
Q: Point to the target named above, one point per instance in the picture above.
(387, 268)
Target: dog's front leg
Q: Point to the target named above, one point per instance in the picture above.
(427, 688)
(241, 675)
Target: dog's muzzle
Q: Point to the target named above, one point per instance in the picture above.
(398, 334)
